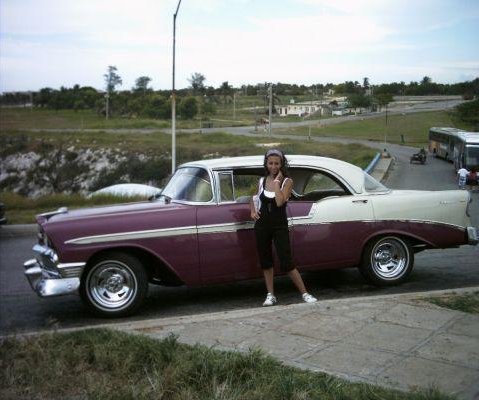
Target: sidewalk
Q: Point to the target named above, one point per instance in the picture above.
(396, 341)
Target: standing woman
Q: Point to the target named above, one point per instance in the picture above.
(268, 210)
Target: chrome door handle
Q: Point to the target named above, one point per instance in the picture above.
(360, 201)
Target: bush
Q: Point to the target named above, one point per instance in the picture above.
(469, 113)
(188, 108)
(157, 107)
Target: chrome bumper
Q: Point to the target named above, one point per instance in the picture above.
(48, 277)
(472, 235)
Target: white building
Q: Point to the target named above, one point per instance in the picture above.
(298, 109)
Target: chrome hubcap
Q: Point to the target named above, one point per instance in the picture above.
(390, 258)
(111, 285)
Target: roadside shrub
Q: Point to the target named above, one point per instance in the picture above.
(469, 113)
(188, 108)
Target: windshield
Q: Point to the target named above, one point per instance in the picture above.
(372, 185)
(189, 184)
(472, 156)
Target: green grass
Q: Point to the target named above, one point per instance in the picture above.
(103, 364)
(462, 302)
(37, 118)
(26, 118)
(22, 210)
(413, 128)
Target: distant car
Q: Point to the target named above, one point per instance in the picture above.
(199, 232)
(128, 190)
(3, 219)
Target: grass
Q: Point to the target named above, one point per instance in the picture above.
(37, 118)
(22, 210)
(468, 303)
(190, 144)
(103, 364)
(410, 129)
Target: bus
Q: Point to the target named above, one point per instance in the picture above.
(455, 145)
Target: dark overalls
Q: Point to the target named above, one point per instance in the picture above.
(272, 226)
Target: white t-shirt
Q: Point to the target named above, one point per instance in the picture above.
(463, 173)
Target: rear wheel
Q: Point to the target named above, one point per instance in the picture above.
(387, 260)
(114, 285)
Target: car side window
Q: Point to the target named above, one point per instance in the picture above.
(226, 186)
(315, 186)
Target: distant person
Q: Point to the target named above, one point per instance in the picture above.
(462, 175)
(268, 210)
(472, 179)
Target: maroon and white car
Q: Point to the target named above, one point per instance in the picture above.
(199, 232)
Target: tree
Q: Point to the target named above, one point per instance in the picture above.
(383, 99)
(141, 85)
(366, 83)
(426, 81)
(188, 108)
(226, 90)
(359, 100)
(112, 80)
(197, 82)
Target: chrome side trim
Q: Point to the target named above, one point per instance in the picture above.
(115, 237)
(225, 228)
(71, 270)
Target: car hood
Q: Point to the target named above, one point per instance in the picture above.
(109, 211)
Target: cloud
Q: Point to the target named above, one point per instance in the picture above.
(54, 43)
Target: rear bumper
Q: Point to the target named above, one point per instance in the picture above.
(472, 235)
(48, 277)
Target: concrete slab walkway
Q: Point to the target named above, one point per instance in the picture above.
(398, 341)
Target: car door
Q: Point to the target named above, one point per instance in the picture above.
(328, 222)
(226, 240)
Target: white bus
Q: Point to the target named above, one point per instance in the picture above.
(455, 145)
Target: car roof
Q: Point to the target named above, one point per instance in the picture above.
(352, 174)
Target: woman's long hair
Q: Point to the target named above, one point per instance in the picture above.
(284, 161)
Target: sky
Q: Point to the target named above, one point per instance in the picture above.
(54, 43)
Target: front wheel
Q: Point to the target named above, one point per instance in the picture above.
(387, 261)
(114, 285)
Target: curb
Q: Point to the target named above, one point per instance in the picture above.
(151, 324)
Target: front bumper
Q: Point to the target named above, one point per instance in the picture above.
(48, 277)
(472, 235)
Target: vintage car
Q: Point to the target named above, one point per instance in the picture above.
(199, 232)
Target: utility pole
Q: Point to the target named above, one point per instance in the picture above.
(255, 118)
(173, 99)
(270, 107)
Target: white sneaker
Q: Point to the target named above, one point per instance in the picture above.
(270, 300)
(309, 299)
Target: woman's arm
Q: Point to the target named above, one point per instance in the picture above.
(282, 195)
(254, 213)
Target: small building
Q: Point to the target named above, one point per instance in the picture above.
(301, 109)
